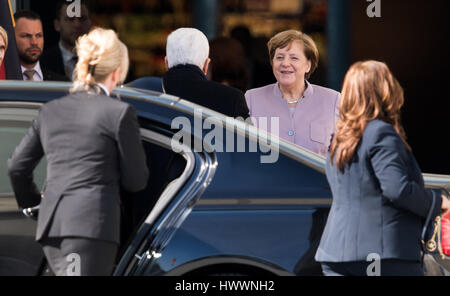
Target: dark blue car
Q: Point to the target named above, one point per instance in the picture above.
(223, 198)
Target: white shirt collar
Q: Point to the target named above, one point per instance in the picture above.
(102, 86)
(67, 55)
(38, 76)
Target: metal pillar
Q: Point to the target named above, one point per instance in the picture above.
(338, 31)
(20, 4)
(205, 16)
(13, 5)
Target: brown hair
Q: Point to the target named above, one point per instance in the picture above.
(285, 38)
(99, 53)
(369, 92)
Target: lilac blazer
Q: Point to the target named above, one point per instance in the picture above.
(312, 123)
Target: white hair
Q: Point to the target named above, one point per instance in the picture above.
(187, 46)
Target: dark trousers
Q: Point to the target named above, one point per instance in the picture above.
(76, 256)
(388, 267)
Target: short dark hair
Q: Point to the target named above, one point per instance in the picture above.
(28, 14)
(61, 3)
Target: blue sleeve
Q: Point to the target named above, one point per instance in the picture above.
(399, 177)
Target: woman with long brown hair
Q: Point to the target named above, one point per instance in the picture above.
(379, 199)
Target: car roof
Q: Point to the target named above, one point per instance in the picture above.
(44, 91)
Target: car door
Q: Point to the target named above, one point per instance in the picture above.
(173, 203)
(20, 254)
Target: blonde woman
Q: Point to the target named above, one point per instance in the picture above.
(3, 43)
(379, 199)
(93, 147)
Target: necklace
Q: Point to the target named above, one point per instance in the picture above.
(293, 102)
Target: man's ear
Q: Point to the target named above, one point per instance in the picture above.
(57, 25)
(117, 75)
(166, 62)
(206, 65)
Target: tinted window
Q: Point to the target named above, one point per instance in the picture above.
(14, 123)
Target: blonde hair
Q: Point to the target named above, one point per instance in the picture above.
(4, 35)
(100, 52)
(369, 92)
(285, 38)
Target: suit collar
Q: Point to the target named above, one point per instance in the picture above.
(66, 54)
(36, 68)
(103, 89)
(190, 72)
(309, 91)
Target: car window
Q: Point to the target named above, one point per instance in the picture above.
(14, 123)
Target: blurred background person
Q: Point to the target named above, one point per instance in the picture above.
(30, 44)
(62, 58)
(228, 63)
(3, 44)
(379, 200)
(307, 113)
(258, 63)
(92, 145)
(187, 62)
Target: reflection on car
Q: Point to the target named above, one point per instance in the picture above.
(204, 212)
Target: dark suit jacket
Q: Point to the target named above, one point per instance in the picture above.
(188, 82)
(92, 145)
(52, 60)
(53, 76)
(379, 201)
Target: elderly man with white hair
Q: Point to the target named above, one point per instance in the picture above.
(187, 62)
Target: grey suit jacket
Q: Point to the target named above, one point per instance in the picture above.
(379, 201)
(92, 145)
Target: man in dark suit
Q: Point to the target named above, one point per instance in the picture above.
(30, 43)
(187, 60)
(62, 58)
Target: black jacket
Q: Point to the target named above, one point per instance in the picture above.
(52, 60)
(189, 82)
(53, 76)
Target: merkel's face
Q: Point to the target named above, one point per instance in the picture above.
(30, 40)
(290, 65)
(2, 49)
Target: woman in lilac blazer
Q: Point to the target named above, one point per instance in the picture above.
(292, 108)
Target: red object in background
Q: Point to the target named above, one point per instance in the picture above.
(11, 64)
(445, 227)
(2, 72)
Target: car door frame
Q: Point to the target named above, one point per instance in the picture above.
(173, 206)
